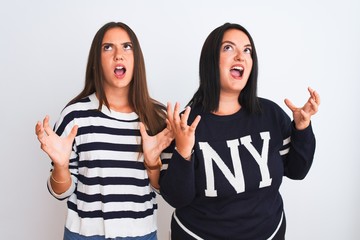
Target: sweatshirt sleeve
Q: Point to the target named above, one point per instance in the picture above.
(301, 150)
(177, 182)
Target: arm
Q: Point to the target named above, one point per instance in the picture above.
(154, 175)
(302, 146)
(298, 160)
(178, 181)
(152, 148)
(59, 150)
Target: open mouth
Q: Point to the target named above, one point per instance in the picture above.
(237, 71)
(120, 71)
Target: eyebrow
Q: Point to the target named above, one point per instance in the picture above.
(232, 43)
(124, 43)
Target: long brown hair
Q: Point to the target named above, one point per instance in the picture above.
(151, 112)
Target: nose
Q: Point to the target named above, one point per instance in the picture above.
(239, 56)
(119, 55)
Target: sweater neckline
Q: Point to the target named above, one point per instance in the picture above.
(229, 117)
(112, 113)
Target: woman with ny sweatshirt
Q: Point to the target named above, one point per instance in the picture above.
(233, 148)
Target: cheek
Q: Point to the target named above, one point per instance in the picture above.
(104, 62)
(250, 64)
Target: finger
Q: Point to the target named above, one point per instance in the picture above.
(45, 148)
(176, 115)
(195, 123)
(47, 127)
(290, 105)
(317, 97)
(164, 132)
(184, 118)
(41, 138)
(312, 93)
(39, 131)
(170, 132)
(38, 128)
(176, 110)
(314, 106)
(186, 113)
(170, 116)
(168, 124)
(305, 115)
(169, 112)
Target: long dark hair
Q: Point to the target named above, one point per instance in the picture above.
(151, 112)
(208, 94)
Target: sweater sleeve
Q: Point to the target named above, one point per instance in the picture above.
(299, 158)
(177, 182)
(64, 195)
(62, 128)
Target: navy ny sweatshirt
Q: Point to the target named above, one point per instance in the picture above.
(230, 188)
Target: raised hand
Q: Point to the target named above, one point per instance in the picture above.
(58, 149)
(303, 115)
(184, 134)
(154, 145)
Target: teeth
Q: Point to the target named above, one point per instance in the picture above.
(238, 68)
(119, 67)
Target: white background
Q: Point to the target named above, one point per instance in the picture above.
(43, 53)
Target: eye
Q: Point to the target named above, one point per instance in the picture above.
(128, 46)
(227, 48)
(107, 47)
(248, 50)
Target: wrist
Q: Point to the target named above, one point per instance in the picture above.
(61, 166)
(60, 177)
(151, 167)
(185, 154)
(67, 179)
(301, 125)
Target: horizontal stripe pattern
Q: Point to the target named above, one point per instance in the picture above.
(96, 225)
(286, 146)
(112, 182)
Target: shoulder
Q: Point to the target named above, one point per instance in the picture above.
(86, 103)
(272, 109)
(268, 105)
(195, 111)
(75, 110)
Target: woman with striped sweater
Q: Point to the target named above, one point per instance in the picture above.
(101, 164)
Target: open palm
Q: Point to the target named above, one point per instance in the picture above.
(58, 148)
(303, 115)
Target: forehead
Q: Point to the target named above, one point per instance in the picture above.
(236, 36)
(116, 34)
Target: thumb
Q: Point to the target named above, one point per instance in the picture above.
(73, 132)
(143, 130)
(290, 105)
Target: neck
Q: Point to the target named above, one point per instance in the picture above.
(119, 101)
(228, 105)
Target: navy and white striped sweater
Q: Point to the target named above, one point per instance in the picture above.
(111, 195)
(230, 188)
